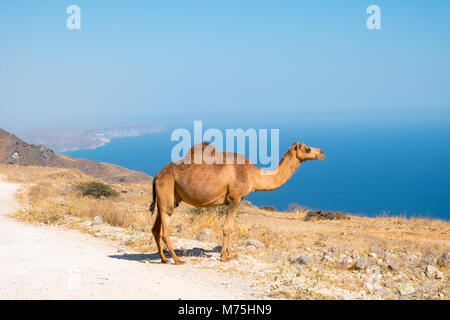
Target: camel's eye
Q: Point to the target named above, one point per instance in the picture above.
(308, 149)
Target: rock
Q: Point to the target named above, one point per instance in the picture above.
(369, 286)
(374, 269)
(432, 272)
(372, 287)
(86, 224)
(444, 260)
(332, 249)
(406, 289)
(251, 248)
(300, 260)
(204, 234)
(372, 255)
(429, 259)
(253, 242)
(98, 234)
(97, 220)
(345, 296)
(380, 253)
(393, 267)
(327, 257)
(179, 227)
(346, 262)
(121, 249)
(361, 264)
(354, 255)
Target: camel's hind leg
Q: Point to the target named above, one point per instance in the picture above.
(228, 229)
(166, 238)
(164, 191)
(156, 230)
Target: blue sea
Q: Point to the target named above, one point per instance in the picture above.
(369, 169)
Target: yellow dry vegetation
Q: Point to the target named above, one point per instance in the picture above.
(51, 198)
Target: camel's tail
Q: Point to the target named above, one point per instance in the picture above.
(152, 206)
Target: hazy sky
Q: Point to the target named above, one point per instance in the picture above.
(223, 61)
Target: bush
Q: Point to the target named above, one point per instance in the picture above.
(96, 189)
(295, 207)
(325, 215)
(269, 208)
(221, 210)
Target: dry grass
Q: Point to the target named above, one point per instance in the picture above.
(52, 197)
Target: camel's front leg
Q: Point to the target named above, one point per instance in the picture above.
(228, 228)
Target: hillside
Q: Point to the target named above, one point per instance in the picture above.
(14, 151)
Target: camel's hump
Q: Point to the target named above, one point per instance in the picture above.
(228, 157)
(202, 145)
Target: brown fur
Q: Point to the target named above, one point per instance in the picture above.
(208, 184)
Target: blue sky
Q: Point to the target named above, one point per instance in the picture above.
(228, 62)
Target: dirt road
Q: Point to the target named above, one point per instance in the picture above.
(42, 262)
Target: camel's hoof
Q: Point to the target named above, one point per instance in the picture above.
(164, 261)
(232, 255)
(224, 258)
(178, 262)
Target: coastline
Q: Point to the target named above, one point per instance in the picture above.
(67, 139)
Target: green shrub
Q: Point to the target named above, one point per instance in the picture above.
(325, 215)
(96, 189)
(269, 208)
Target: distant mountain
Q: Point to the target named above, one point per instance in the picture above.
(62, 139)
(14, 151)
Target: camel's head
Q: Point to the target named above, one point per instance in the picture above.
(304, 152)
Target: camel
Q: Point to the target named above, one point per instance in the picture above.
(210, 183)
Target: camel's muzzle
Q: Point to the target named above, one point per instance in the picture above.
(320, 155)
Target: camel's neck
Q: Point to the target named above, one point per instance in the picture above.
(273, 179)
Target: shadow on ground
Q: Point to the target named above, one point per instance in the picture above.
(155, 258)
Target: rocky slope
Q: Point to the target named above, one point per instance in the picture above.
(14, 151)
